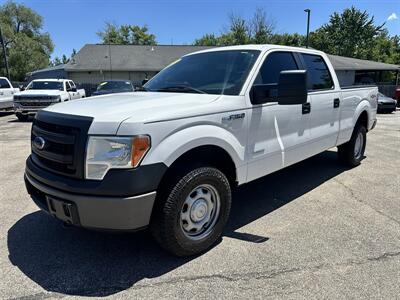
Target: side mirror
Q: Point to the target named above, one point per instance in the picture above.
(263, 93)
(21, 88)
(73, 89)
(292, 87)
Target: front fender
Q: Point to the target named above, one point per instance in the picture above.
(180, 142)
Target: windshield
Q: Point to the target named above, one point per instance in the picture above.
(218, 72)
(115, 85)
(45, 85)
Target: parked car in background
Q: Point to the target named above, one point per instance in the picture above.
(168, 157)
(397, 96)
(41, 93)
(113, 86)
(386, 104)
(7, 92)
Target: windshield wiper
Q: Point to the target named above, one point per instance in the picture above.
(140, 89)
(181, 89)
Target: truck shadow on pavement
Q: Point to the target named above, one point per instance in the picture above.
(86, 263)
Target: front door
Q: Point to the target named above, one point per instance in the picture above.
(278, 134)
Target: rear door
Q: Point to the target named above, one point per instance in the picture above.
(325, 98)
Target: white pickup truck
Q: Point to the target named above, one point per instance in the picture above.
(41, 93)
(7, 92)
(169, 156)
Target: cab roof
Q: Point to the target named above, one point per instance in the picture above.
(51, 80)
(262, 48)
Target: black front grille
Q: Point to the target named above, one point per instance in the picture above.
(37, 97)
(36, 104)
(64, 138)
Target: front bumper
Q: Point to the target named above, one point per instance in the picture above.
(32, 108)
(96, 212)
(6, 105)
(123, 200)
(27, 110)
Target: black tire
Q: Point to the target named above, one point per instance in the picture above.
(22, 117)
(347, 153)
(166, 224)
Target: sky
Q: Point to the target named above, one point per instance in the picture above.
(74, 23)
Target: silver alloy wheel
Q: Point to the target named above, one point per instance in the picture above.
(200, 212)
(358, 146)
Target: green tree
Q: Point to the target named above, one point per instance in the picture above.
(287, 39)
(208, 39)
(28, 48)
(257, 30)
(350, 33)
(126, 35)
(386, 48)
(63, 60)
(261, 28)
(239, 30)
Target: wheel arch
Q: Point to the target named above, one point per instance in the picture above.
(362, 114)
(207, 142)
(363, 119)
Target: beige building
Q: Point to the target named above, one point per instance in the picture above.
(98, 62)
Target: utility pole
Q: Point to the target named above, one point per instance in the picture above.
(308, 11)
(109, 55)
(5, 54)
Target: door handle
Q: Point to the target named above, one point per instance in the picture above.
(336, 103)
(306, 108)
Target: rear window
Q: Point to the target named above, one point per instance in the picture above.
(4, 84)
(319, 77)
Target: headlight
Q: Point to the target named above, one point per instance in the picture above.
(105, 153)
(55, 98)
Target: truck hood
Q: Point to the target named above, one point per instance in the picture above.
(39, 92)
(109, 111)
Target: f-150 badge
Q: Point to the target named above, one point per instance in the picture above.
(233, 117)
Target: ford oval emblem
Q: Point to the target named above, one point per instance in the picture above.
(39, 143)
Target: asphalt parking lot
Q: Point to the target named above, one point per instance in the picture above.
(315, 230)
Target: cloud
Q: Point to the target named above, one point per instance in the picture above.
(392, 17)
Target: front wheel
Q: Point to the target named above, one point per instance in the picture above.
(352, 152)
(22, 117)
(190, 217)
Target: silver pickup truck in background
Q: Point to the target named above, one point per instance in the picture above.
(42, 93)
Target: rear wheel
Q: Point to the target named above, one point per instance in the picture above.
(352, 152)
(22, 117)
(190, 216)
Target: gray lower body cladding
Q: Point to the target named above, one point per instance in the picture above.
(105, 205)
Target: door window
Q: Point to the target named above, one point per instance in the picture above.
(273, 65)
(4, 84)
(319, 77)
(67, 86)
